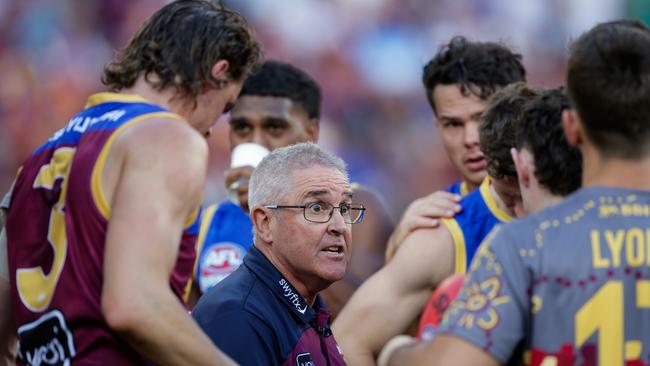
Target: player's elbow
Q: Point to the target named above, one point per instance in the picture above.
(121, 312)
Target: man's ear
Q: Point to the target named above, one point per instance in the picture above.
(220, 70)
(572, 126)
(261, 218)
(522, 167)
(313, 130)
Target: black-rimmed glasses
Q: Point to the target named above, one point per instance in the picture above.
(322, 212)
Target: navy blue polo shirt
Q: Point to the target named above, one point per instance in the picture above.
(257, 317)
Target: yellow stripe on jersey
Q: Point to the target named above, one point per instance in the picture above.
(460, 253)
(491, 202)
(206, 219)
(96, 181)
(100, 98)
(463, 189)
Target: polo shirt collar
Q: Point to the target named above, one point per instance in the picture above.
(257, 262)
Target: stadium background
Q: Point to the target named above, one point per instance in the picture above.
(366, 54)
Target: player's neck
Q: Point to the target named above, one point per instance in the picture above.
(544, 199)
(142, 88)
(599, 171)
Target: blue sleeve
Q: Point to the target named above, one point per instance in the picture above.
(493, 306)
(240, 335)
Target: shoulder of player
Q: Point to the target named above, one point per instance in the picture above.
(162, 135)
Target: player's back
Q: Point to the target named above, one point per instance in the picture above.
(582, 271)
(56, 229)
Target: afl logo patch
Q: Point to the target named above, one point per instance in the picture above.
(219, 261)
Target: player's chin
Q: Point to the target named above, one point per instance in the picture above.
(475, 177)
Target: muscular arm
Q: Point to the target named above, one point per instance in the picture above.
(393, 297)
(368, 246)
(162, 168)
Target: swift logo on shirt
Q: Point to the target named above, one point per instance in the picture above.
(292, 296)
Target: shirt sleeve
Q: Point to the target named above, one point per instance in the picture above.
(240, 335)
(493, 306)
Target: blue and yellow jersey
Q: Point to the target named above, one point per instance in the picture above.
(225, 236)
(468, 228)
(459, 188)
(568, 286)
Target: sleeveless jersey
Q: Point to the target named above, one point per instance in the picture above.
(569, 286)
(56, 229)
(226, 235)
(470, 226)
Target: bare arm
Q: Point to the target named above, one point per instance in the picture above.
(442, 350)
(423, 213)
(369, 239)
(393, 297)
(163, 166)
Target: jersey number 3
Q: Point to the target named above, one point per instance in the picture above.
(34, 286)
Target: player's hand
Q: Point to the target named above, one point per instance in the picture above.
(425, 212)
(237, 183)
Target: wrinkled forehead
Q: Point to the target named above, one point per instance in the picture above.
(320, 182)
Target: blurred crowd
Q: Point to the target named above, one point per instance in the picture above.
(366, 54)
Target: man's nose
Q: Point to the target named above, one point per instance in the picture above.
(337, 225)
(471, 134)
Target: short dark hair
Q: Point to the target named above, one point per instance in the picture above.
(279, 79)
(499, 125)
(180, 43)
(558, 165)
(608, 80)
(479, 68)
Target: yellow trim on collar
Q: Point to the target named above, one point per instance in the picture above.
(104, 97)
(463, 189)
(491, 202)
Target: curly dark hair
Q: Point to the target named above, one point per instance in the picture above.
(279, 79)
(608, 80)
(499, 124)
(479, 68)
(558, 165)
(180, 43)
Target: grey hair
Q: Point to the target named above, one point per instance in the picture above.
(271, 181)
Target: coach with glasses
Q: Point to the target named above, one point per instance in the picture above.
(268, 312)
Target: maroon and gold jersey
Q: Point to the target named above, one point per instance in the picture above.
(56, 230)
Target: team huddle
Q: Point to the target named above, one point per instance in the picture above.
(539, 255)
